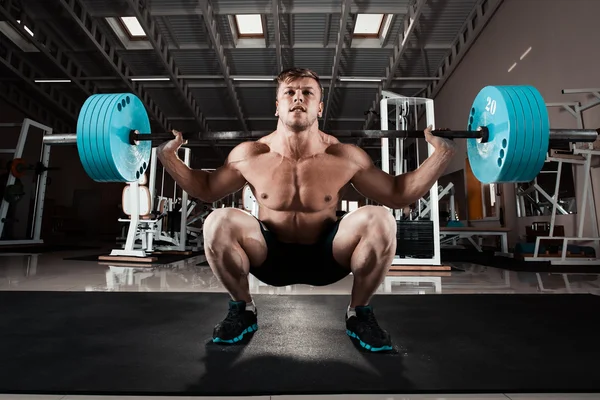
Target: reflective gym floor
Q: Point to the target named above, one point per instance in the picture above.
(51, 272)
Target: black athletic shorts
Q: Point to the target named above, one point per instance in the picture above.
(290, 263)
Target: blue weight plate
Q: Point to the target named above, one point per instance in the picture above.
(83, 139)
(538, 101)
(532, 144)
(494, 109)
(103, 139)
(94, 155)
(130, 161)
(80, 134)
(517, 133)
(97, 140)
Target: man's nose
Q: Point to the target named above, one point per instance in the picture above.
(298, 96)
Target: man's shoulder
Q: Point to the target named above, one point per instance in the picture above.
(248, 150)
(350, 152)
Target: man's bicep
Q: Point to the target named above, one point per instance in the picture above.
(228, 178)
(224, 181)
(376, 185)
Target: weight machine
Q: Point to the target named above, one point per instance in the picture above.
(584, 153)
(152, 230)
(40, 187)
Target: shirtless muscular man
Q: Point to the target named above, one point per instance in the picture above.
(297, 175)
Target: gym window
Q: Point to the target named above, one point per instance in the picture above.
(372, 26)
(130, 33)
(133, 28)
(249, 26)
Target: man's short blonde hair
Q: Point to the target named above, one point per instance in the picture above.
(291, 74)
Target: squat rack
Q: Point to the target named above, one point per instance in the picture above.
(40, 187)
(402, 105)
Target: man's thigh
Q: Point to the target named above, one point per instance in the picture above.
(371, 222)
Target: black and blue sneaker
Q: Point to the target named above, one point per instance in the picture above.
(236, 325)
(364, 328)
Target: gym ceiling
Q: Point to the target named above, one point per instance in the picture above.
(209, 65)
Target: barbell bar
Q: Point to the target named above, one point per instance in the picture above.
(556, 135)
(508, 135)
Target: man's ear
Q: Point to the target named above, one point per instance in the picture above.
(320, 109)
(276, 107)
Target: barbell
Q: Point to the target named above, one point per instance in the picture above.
(508, 135)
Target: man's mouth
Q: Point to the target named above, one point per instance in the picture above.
(298, 109)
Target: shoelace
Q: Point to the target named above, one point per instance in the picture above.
(371, 324)
(233, 317)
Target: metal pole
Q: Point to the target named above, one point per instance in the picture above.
(555, 197)
(556, 135)
(184, 207)
(584, 195)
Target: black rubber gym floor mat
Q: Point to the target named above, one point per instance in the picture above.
(159, 343)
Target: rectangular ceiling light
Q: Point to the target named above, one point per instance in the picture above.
(133, 27)
(359, 79)
(368, 24)
(252, 78)
(149, 79)
(249, 24)
(52, 81)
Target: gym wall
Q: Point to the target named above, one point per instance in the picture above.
(562, 36)
(75, 206)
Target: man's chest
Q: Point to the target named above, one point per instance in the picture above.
(308, 185)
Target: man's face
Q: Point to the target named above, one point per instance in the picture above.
(298, 103)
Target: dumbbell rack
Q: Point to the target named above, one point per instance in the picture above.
(587, 197)
(40, 192)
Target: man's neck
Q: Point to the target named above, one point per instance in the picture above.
(297, 144)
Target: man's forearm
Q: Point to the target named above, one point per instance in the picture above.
(413, 185)
(194, 182)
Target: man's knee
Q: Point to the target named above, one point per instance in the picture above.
(379, 219)
(220, 220)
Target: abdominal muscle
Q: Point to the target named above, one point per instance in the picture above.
(297, 227)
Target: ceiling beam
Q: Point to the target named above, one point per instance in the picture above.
(47, 44)
(357, 44)
(258, 78)
(424, 57)
(211, 24)
(467, 35)
(78, 12)
(337, 57)
(28, 72)
(249, 7)
(272, 84)
(328, 18)
(159, 45)
(410, 21)
(33, 108)
(172, 35)
(277, 33)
